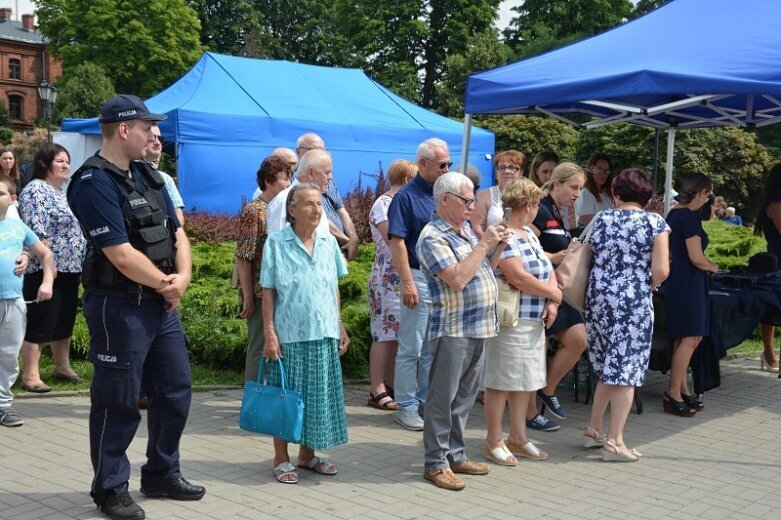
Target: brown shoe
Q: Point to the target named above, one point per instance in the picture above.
(471, 468)
(444, 478)
(143, 402)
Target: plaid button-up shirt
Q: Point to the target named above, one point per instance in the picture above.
(470, 313)
(535, 262)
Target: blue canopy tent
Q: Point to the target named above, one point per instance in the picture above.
(688, 64)
(228, 113)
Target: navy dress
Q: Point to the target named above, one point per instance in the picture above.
(686, 302)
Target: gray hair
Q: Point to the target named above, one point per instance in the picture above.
(313, 159)
(451, 182)
(285, 153)
(293, 195)
(471, 171)
(304, 140)
(428, 148)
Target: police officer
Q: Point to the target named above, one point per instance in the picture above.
(138, 266)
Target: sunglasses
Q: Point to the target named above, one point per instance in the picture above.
(158, 138)
(443, 165)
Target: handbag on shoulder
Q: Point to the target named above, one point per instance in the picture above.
(573, 271)
(272, 410)
(508, 303)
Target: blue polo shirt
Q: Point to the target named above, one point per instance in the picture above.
(97, 202)
(409, 212)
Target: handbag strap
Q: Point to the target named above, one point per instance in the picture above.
(586, 235)
(262, 372)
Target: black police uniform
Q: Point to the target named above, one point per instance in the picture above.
(134, 343)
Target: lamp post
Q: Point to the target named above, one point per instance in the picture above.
(48, 94)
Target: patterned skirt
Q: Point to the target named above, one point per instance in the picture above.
(313, 368)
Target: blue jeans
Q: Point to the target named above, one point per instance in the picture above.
(413, 357)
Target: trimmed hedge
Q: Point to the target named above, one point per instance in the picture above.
(218, 336)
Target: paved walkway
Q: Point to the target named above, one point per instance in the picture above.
(723, 464)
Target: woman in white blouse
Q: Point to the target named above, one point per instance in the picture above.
(597, 194)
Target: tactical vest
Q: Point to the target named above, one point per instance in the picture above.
(148, 226)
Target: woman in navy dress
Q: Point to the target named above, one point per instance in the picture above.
(631, 256)
(768, 224)
(686, 290)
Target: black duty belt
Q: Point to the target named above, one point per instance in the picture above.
(134, 293)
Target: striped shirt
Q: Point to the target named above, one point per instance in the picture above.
(470, 313)
(536, 263)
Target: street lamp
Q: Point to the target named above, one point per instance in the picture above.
(48, 94)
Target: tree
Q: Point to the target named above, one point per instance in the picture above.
(225, 24)
(83, 91)
(451, 25)
(485, 51)
(546, 24)
(646, 6)
(143, 45)
(306, 31)
(532, 134)
(388, 40)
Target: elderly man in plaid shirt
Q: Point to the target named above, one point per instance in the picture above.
(459, 272)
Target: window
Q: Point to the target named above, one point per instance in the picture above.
(14, 69)
(15, 107)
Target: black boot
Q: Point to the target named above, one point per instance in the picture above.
(119, 505)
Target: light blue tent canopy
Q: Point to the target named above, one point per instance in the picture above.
(689, 64)
(228, 113)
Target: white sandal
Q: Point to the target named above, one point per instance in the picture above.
(500, 454)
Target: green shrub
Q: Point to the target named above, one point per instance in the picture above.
(210, 312)
(731, 246)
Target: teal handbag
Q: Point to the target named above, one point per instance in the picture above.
(272, 410)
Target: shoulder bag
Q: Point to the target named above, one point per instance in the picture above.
(508, 303)
(272, 410)
(573, 271)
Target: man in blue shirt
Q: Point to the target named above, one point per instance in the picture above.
(411, 209)
(138, 266)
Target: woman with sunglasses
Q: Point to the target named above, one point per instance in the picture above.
(508, 166)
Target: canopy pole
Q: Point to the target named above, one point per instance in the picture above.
(656, 157)
(465, 142)
(668, 177)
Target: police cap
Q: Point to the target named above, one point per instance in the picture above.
(125, 107)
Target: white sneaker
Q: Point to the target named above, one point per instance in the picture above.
(409, 419)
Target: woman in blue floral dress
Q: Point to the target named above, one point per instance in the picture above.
(384, 302)
(631, 256)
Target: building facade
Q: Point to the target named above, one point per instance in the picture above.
(24, 62)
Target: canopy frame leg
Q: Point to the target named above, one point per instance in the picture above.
(668, 176)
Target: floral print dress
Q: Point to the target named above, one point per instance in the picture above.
(45, 210)
(619, 311)
(384, 300)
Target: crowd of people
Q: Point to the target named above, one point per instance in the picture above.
(443, 249)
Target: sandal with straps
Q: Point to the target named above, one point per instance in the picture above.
(593, 439)
(501, 455)
(611, 453)
(325, 466)
(379, 401)
(286, 473)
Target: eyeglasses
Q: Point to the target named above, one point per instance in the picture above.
(443, 165)
(467, 202)
(508, 167)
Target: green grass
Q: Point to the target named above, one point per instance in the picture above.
(202, 376)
